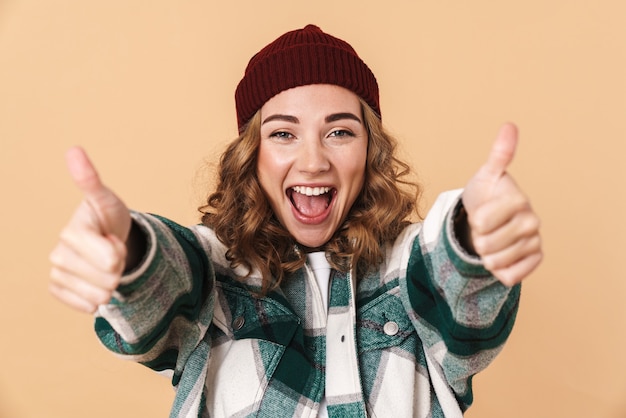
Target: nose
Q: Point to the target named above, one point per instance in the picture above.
(313, 157)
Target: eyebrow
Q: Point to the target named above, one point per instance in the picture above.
(339, 116)
(330, 118)
(286, 118)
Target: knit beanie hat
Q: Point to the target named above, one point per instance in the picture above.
(302, 57)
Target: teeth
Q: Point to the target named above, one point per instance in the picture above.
(311, 191)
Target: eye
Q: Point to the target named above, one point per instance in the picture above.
(281, 135)
(341, 133)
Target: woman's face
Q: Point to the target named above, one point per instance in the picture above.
(312, 156)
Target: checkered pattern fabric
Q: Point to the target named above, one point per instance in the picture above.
(403, 341)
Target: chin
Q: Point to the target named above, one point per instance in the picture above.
(311, 242)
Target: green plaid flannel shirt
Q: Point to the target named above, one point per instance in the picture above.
(404, 341)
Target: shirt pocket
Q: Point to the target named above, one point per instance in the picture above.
(249, 339)
(383, 323)
(242, 315)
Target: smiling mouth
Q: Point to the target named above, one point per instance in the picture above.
(311, 201)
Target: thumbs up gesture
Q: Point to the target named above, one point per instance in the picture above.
(504, 230)
(88, 261)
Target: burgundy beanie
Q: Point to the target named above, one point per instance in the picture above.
(301, 57)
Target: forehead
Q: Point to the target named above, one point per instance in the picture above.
(324, 98)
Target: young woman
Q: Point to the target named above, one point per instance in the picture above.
(306, 291)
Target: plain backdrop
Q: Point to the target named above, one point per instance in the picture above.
(147, 88)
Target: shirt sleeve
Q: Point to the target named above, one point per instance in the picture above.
(462, 313)
(163, 308)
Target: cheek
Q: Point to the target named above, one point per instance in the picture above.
(353, 172)
(355, 168)
(270, 170)
(265, 164)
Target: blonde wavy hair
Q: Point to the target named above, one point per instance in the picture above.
(240, 214)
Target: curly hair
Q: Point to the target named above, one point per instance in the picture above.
(240, 214)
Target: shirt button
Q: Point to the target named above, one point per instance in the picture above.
(391, 328)
(238, 323)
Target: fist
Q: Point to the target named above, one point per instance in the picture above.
(88, 261)
(504, 229)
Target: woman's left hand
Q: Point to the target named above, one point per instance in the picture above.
(504, 228)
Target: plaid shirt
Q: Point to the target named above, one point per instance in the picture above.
(404, 341)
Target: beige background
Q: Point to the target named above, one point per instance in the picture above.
(147, 88)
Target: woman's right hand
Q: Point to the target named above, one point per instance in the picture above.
(89, 259)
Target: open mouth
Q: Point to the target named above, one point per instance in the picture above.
(311, 201)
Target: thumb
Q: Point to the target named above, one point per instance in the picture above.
(111, 214)
(84, 174)
(502, 151)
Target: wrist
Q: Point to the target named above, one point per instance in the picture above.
(462, 230)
